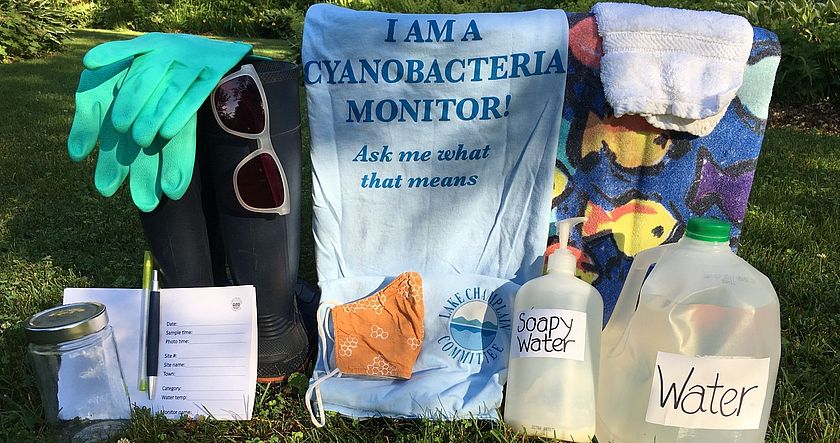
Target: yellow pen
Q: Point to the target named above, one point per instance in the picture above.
(143, 383)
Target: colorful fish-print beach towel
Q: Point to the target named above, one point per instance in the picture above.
(639, 185)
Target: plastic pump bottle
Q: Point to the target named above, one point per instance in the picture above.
(691, 351)
(553, 369)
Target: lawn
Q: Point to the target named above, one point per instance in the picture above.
(56, 232)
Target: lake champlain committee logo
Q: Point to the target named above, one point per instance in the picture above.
(475, 317)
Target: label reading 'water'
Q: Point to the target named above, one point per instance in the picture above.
(553, 333)
(708, 392)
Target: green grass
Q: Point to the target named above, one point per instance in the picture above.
(56, 232)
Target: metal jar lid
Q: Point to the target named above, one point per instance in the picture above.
(65, 323)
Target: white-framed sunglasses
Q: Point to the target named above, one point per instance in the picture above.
(241, 109)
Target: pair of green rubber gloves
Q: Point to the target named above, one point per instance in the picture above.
(139, 99)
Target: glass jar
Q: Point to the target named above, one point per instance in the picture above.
(76, 364)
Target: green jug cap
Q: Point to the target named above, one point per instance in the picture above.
(708, 229)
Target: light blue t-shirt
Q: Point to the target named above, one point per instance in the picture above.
(433, 145)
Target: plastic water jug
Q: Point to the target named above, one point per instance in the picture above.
(692, 351)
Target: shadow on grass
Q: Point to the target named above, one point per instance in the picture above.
(47, 202)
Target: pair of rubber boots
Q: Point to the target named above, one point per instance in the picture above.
(213, 237)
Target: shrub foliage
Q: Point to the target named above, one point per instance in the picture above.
(29, 28)
(240, 18)
(809, 30)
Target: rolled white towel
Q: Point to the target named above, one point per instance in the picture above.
(678, 68)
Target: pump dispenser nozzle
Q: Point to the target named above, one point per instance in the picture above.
(562, 260)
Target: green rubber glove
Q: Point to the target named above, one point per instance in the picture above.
(169, 79)
(165, 166)
(94, 96)
(139, 98)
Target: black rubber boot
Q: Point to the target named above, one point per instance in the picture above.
(207, 238)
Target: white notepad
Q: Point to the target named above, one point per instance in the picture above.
(207, 362)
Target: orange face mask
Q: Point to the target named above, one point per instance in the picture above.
(376, 336)
(380, 335)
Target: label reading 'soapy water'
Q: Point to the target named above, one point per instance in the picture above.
(553, 333)
(708, 392)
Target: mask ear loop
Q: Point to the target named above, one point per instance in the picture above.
(320, 420)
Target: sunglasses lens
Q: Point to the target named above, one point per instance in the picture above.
(260, 183)
(239, 105)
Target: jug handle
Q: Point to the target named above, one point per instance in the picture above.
(628, 299)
